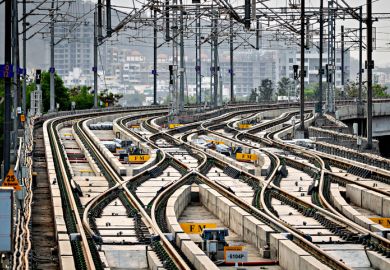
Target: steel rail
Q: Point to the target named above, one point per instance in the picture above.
(298, 238)
(84, 242)
(180, 263)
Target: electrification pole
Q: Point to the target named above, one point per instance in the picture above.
(198, 57)
(16, 80)
(24, 95)
(215, 56)
(331, 57)
(100, 20)
(95, 60)
(321, 51)
(181, 93)
(7, 86)
(257, 34)
(302, 97)
(52, 70)
(154, 57)
(231, 62)
(370, 66)
(360, 54)
(175, 100)
(342, 61)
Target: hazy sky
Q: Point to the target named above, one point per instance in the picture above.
(382, 53)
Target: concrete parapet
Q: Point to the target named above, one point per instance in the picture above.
(237, 219)
(250, 230)
(386, 207)
(372, 200)
(208, 197)
(354, 193)
(378, 261)
(275, 238)
(180, 237)
(311, 263)
(290, 255)
(264, 233)
(197, 256)
(175, 206)
(223, 210)
(154, 262)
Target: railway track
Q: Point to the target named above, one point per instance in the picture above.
(381, 243)
(276, 224)
(84, 247)
(180, 163)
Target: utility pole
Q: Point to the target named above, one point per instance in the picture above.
(302, 98)
(95, 60)
(24, 95)
(331, 57)
(100, 20)
(108, 18)
(257, 34)
(167, 26)
(211, 67)
(16, 79)
(154, 57)
(231, 62)
(321, 51)
(174, 84)
(52, 70)
(181, 93)
(198, 56)
(370, 66)
(215, 56)
(7, 86)
(360, 55)
(342, 62)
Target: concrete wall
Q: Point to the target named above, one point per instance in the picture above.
(175, 207)
(368, 199)
(357, 195)
(253, 231)
(380, 111)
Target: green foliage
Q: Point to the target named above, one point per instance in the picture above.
(29, 88)
(266, 90)
(284, 86)
(352, 90)
(312, 91)
(61, 92)
(190, 99)
(379, 91)
(82, 97)
(109, 98)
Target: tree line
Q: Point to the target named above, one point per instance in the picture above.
(82, 96)
(267, 91)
